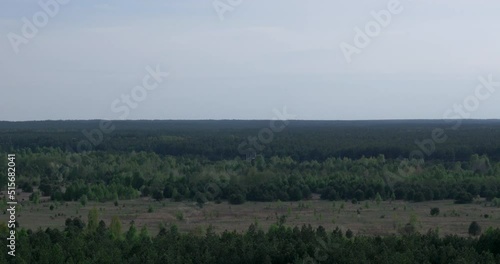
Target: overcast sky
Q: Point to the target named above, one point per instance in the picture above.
(264, 55)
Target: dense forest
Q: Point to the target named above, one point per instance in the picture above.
(102, 176)
(299, 140)
(94, 242)
(240, 161)
(204, 160)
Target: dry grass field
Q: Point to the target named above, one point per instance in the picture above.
(365, 218)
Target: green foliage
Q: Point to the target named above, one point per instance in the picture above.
(434, 211)
(378, 198)
(201, 161)
(92, 219)
(83, 200)
(237, 198)
(474, 229)
(200, 198)
(413, 219)
(280, 244)
(408, 229)
(463, 198)
(160, 162)
(349, 234)
(102, 176)
(179, 215)
(176, 195)
(220, 139)
(144, 234)
(411, 227)
(496, 202)
(132, 232)
(115, 227)
(35, 197)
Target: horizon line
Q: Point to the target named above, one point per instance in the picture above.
(213, 119)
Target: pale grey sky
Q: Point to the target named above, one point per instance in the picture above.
(263, 55)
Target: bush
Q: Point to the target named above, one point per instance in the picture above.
(435, 211)
(180, 216)
(200, 198)
(236, 198)
(167, 191)
(349, 233)
(35, 197)
(26, 187)
(176, 196)
(496, 202)
(158, 195)
(474, 229)
(418, 197)
(295, 194)
(359, 195)
(408, 229)
(463, 198)
(378, 198)
(84, 200)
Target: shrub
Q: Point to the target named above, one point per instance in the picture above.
(179, 216)
(474, 229)
(463, 198)
(200, 198)
(349, 233)
(158, 195)
(378, 198)
(35, 197)
(408, 229)
(418, 197)
(236, 198)
(435, 211)
(496, 202)
(176, 195)
(84, 200)
(295, 194)
(359, 195)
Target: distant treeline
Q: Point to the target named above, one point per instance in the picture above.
(446, 141)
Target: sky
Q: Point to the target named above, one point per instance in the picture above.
(247, 59)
